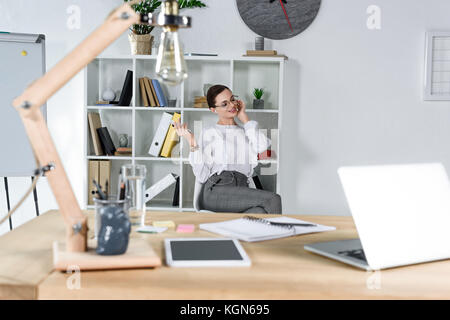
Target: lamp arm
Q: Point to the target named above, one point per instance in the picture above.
(28, 105)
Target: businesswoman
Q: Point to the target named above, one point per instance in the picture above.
(224, 157)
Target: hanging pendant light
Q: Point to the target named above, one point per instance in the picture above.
(170, 64)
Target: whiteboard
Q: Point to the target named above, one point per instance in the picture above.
(22, 60)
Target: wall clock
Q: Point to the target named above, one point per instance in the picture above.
(278, 19)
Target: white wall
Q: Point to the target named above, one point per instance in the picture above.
(353, 96)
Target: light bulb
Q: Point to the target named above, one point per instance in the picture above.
(170, 65)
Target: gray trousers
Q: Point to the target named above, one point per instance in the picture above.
(229, 192)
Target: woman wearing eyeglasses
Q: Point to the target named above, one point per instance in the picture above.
(224, 157)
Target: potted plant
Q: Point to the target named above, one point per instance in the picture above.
(140, 38)
(258, 103)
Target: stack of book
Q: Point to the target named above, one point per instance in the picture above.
(101, 138)
(263, 53)
(165, 137)
(123, 151)
(151, 93)
(200, 102)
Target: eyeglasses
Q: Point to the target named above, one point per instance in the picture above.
(225, 104)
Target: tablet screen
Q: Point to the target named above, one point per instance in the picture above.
(204, 250)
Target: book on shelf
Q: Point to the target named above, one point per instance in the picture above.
(123, 151)
(171, 138)
(143, 93)
(152, 93)
(107, 143)
(159, 93)
(155, 97)
(262, 52)
(200, 99)
(176, 194)
(93, 166)
(160, 134)
(200, 102)
(94, 124)
(127, 90)
(104, 175)
(149, 92)
(100, 171)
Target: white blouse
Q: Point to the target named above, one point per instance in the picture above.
(228, 147)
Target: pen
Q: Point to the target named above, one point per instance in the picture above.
(287, 224)
(119, 186)
(293, 224)
(99, 189)
(122, 191)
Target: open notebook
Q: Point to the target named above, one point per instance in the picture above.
(258, 229)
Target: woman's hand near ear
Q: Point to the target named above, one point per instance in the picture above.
(242, 115)
(183, 131)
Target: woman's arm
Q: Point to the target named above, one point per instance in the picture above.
(197, 155)
(258, 140)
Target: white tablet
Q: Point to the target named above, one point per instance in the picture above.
(205, 252)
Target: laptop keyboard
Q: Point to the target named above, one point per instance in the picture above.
(356, 254)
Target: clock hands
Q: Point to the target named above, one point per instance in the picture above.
(285, 13)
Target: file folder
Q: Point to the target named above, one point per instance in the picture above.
(160, 186)
(160, 134)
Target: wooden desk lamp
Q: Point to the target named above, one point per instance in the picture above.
(29, 102)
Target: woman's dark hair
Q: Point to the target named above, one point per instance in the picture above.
(212, 94)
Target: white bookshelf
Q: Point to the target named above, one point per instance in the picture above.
(240, 74)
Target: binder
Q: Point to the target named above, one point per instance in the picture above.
(171, 138)
(92, 175)
(104, 176)
(127, 90)
(160, 134)
(143, 92)
(160, 186)
(94, 124)
(106, 141)
(176, 194)
(159, 93)
(148, 88)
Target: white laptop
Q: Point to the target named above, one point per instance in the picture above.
(401, 213)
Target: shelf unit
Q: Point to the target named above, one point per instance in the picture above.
(240, 74)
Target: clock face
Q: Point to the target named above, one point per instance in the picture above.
(278, 19)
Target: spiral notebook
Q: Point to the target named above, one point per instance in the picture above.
(256, 229)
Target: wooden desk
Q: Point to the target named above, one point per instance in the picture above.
(281, 269)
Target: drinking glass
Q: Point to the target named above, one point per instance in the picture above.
(133, 176)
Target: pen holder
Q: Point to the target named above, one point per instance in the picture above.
(112, 225)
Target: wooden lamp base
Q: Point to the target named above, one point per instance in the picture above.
(139, 254)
